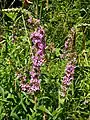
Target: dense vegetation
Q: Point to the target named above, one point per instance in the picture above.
(66, 23)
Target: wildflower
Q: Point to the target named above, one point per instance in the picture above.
(70, 69)
(66, 44)
(68, 77)
(37, 58)
(38, 51)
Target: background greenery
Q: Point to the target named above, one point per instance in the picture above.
(57, 17)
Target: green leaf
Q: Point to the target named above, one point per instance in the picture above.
(2, 91)
(15, 116)
(44, 98)
(23, 105)
(14, 109)
(57, 52)
(30, 117)
(58, 110)
(11, 15)
(44, 109)
(56, 113)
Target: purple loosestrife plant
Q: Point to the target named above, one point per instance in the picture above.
(70, 67)
(68, 77)
(38, 52)
(38, 39)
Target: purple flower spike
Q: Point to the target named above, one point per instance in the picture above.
(69, 72)
(37, 58)
(38, 50)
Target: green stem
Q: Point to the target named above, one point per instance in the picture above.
(72, 87)
(26, 30)
(35, 100)
(73, 34)
(36, 11)
(41, 6)
(84, 40)
(59, 102)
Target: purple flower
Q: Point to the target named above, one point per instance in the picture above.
(36, 40)
(69, 72)
(33, 73)
(23, 87)
(66, 80)
(70, 69)
(66, 44)
(38, 51)
(35, 85)
(30, 20)
(37, 58)
(40, 46)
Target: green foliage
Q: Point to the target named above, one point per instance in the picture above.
(57, 17)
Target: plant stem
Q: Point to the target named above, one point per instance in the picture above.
(84, 38)
(36, 10)
(59, 98)
(26, 30)
(35, 100)
(73, 34)
(44, 116)
(47, 4)
(41, 6)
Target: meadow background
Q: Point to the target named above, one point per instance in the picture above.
(57, 17)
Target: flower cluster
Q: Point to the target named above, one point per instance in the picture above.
(69, 75)
(68, 43)
(38, 39)
(70, 54)
(38, 51)
(67, 47)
